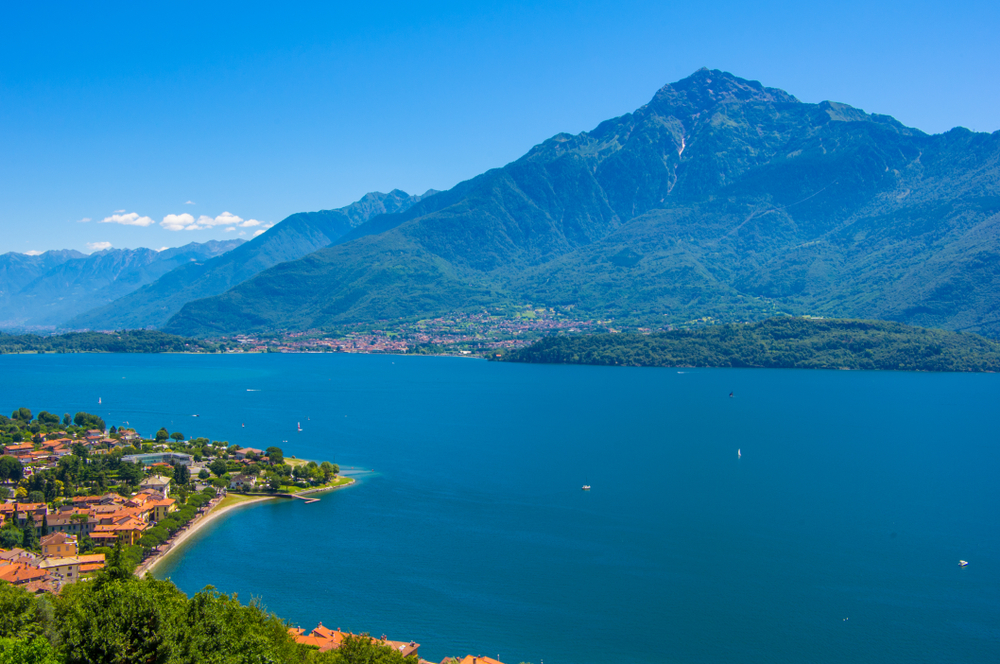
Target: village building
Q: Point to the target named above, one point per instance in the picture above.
(58, 545)
(157, 483)
(241, 482)
(325, 639)
(172, 458)
(247, 452)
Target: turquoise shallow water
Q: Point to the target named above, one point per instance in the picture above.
(855, 497)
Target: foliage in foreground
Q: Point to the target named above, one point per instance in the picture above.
(120, 619)
(125, 341)
(786, 343)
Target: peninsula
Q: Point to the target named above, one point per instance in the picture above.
(776, 343)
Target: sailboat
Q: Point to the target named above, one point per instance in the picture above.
(738, 455)
(300, 426)
(98, 400)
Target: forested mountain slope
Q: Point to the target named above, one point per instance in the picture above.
(720, 197)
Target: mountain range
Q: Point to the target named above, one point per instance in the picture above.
(44, 290)
(294, 237)
(720, 197)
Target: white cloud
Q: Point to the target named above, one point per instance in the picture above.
(130, 219)
(231, 229)
(162, 249)
(186, 222)
(177, 222)
(83, 221)
(258, 232)
(33, 252)
(119, 211)
(190, 203)
(98, 246)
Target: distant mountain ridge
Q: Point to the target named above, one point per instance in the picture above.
(43, 291)
(294, 237)
(720, 197)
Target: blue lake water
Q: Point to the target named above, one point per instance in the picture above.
(856, 495)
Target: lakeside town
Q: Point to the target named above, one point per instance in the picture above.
(476, 334)
(77, 495)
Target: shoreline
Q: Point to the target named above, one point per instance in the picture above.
(212, 514)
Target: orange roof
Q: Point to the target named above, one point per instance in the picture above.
(469, 659)
(19, 573)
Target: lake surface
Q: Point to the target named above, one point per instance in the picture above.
(834, 538)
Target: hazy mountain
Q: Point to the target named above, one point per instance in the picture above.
(719, 197)
(295, 237)
(19, 270)
(74, 282)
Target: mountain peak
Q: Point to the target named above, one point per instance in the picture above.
(708, 87)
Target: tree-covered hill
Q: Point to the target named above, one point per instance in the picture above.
(779, 343)
(720, 197)
(125, 341)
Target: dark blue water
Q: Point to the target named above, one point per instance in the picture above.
(856, 496)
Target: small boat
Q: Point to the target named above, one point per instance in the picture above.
(244, 425)
(196, 415)
(586, 487)
(731, 395)
(738, 454)
(300, 426)
(98, 400)
(963, 563)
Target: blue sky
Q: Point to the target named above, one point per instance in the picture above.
(143, 115)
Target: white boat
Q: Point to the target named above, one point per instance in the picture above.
(586, 487)
(963, 563)
(98, 400)
(300, 426)
(738, 454)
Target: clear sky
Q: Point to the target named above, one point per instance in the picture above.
(140, 116)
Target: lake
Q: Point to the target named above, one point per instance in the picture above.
(835, 537)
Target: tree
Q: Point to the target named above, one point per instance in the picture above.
(18, 613)
(80, 450)
(36, 497)
(67, 420)
(203, 474)
(10, 537)
(47, 418)
(130, 472)
(275, 455)
(162, 435)
(177, 435)
(22, 414)
(112, 431)
(29, 539)
(218, 467)
(10, 469)
(182, 474)
(328, 471)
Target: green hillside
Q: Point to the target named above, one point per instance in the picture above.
(720, 198)
(134, 341)
(777, 343)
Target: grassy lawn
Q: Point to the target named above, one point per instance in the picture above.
(295, 462)
(234, 499)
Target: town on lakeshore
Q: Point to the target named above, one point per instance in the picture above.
(81, 500)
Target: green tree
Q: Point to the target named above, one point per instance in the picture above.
(162, 435)
(219, 467)
(18, 613)
(203, 474)
(29, 538)
(48, 419)
(22, 414)
(36, 497)
(182, 474)
(67, 420)
(11, 469)
(10, 537)
(275, 455)
(328, 471)
(27, 651)
(177, 435)
(131, 473)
